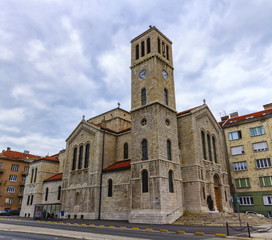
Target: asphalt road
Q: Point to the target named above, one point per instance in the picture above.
(27, 236)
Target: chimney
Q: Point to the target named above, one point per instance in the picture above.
(224, 118)
(8, 148)
(26, 151)
(234, 115)
(267, 106)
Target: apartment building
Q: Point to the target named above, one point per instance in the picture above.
(14, 168)
(249, 146)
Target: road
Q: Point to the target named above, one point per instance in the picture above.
(102, 229)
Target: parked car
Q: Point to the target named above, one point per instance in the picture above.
(3, 212)
(12, 212)
(257, 214)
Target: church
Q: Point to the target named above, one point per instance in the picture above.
(149, 165)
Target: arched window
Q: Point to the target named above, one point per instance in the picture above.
(87, 155)
(74, 159)
(80, 157)
(159, 45)
(163, 49)
(203, 145)
(144, 150)
(35, 175)
(59, 192)
(31, 200)
(171, 182)
(137, 51)
(32, 175)
(165, 96)
(168, 146)
(46, 194)
(209, 147)
(143, 96)
(110, 188)
(28, 199)
(144, 181)
(214, 149)
(142, 49)
(167, 52)
(125, 151)
(148, 47)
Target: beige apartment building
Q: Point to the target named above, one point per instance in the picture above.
(13, 172)
(249, 145)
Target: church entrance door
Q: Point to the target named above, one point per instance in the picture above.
(217, 193)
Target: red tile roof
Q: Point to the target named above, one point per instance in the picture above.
(56, 177)
(18, 155)
(118, 166)
(186, 111)
(53, 159)
(247, 117)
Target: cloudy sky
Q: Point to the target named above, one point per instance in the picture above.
(61, 59)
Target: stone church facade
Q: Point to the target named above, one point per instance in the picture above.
(152, 164)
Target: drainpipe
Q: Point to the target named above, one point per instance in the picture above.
(101, 176)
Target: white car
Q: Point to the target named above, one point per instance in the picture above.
(257, 214)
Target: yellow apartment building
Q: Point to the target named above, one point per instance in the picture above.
(249, 147)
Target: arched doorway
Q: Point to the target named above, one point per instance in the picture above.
(217, 192)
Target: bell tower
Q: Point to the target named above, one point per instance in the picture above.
(156, 189)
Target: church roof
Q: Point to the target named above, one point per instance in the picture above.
(118, 166)
(51, 159)
(18, 155)
(246, 118)
(187, 111)
(56, 177)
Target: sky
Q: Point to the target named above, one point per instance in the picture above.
(62, 59)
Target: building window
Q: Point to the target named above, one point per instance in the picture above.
(125, 151)
(256, 131)
(14, 167)
(266, 181)
(235, 135)
(28, 199)
(144, 149)
(35, 175)
(159, 45)
(110, 188)
(240, 166)
(203, 141)
(22, 189)
(31, 199)
(0, 165)
(214, 149)
(142, 49)
(143, 96)
(87, 155)
(267, 200)
(148, 47)
(269, 214)
(20, 200)
(163, 49)
(168, 146)
(237, 150)
(26, 169)
(10, 200)
(11, 189)
(209, 147)
(165, 96)
(242, 183)
(246, 200)
(32, 175)
(23, 178)
(263, 163)
(261, 146)
(144, 181)
(59, 192)
(137, 51)
(167, 52)
(12, 178)
(80, 157)
(46, 194)
(171, 183)
(74, 159)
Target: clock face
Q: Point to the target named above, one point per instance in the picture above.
(164, 74)
(143, 74)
